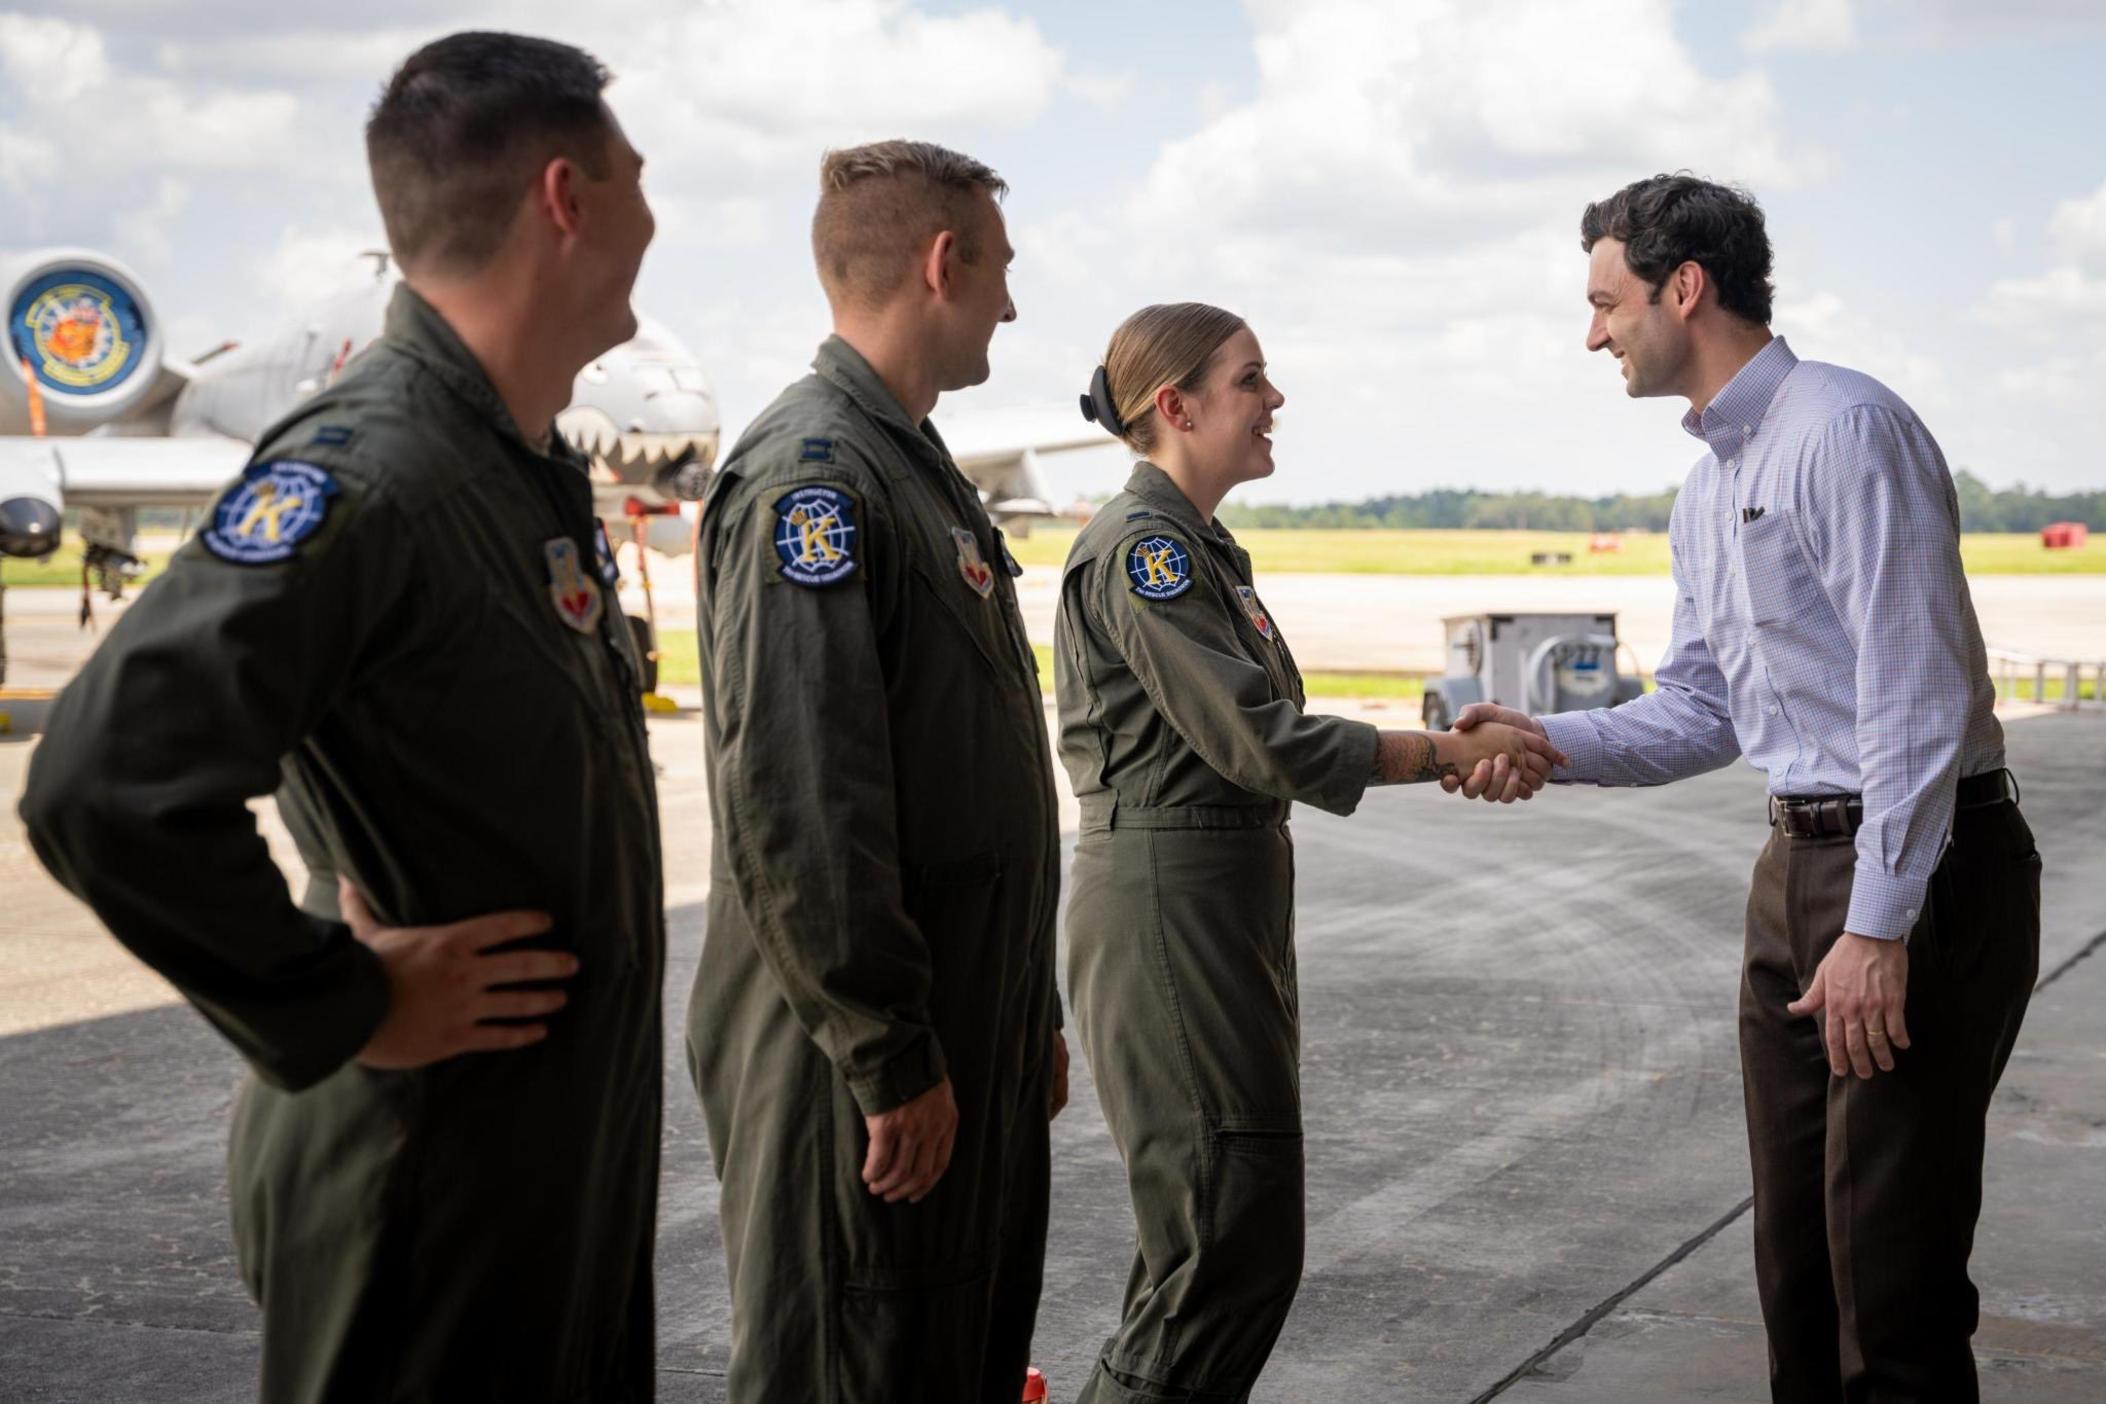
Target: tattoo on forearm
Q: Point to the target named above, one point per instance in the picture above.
(1406, 758)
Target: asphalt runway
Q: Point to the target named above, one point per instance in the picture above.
(1523, 1113)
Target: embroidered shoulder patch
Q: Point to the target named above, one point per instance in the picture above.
(815, 451)
(815, 535)
(1159, 567)
(263, 518)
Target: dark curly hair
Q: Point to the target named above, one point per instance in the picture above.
(1665, 221)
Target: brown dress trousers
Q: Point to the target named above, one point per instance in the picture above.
(1867, 1192)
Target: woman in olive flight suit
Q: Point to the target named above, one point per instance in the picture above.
(1182, 730)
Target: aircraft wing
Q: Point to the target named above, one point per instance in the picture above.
(998, 452)
(110, 471)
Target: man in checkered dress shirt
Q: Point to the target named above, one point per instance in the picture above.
(1823, 630)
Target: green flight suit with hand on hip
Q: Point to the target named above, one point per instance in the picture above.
(1181, 728)
(394, 620)
(884, 869)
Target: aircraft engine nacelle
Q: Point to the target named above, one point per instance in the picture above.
(80, 326)
(29, 501)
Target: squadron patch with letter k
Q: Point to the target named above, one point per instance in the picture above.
(264, 517)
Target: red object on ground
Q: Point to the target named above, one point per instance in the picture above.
(2063, 536)
(1034, 1387)
(1604, 541)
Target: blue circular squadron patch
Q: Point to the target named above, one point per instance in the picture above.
(815, 535)
(1160, 568)
(80, 332)
(263, 518)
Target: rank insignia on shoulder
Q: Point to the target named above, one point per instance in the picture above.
(1254, 610)
(1160, 568)
(815, 535)
(1136, 516)
(577, 596)
(263, 518)
(971, 564)
(331, 436)
(815, 451)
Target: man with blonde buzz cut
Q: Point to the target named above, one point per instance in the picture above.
(874, 1030)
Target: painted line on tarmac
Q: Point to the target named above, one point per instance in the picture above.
(1588, 1322)
(2063, 969)
(1593, 1318)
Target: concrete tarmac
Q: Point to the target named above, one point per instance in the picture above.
(1526, 1162)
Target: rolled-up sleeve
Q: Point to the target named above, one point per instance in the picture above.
(1185, 654)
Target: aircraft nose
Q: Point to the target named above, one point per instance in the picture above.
(29, 527)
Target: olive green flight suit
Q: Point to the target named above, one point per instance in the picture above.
(884, 870)
(441, 731)
(1181, 727)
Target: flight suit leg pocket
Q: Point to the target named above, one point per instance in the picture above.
(919, 1342)
(1251, 1258)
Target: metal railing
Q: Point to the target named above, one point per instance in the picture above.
(2025, 677)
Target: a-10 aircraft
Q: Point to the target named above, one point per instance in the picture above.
(98, 417)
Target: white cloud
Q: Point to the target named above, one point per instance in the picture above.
(2078, 230)
(2074, 288)
(61, 71)
(147, 230)
(1418, 122)
(1803, 24)
(308, 262)
(49, 61)
(1396, 209)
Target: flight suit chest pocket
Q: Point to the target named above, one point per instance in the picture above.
(1782, 589)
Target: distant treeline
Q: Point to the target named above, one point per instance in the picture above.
(1982, 508)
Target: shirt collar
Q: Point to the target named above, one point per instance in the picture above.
(418, 328)
(1736, 412)
(1156, 488)
(842, 365)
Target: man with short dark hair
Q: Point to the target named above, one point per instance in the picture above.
(1823, 629)
(444, 1173)
(874, 1027)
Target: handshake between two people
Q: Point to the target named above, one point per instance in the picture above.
(1496, 754)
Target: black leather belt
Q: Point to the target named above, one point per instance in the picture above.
(1823, 816)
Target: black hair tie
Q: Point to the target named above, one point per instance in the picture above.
(1098, 407)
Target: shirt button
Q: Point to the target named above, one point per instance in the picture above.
(1773, 709)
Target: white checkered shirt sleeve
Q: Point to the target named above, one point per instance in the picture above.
(1683, 727)
(1884, 529)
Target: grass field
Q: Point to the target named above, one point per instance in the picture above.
(1383, 553)
(62, 567)
(1279, 551)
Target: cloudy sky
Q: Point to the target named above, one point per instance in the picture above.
(1388, 189)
